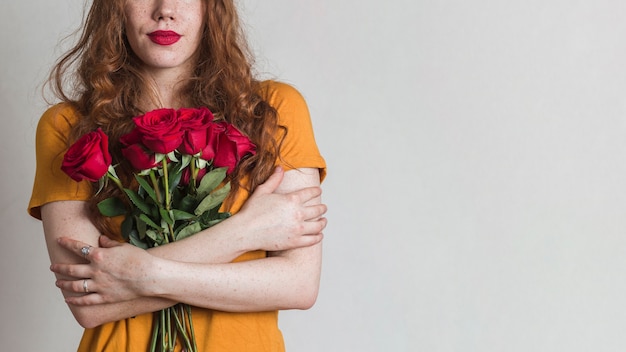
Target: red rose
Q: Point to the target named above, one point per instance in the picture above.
(88, 158)
(131, 138)
(194, 124)
(186, 176)
(232, 146)
(139, 157)
(213, 133)
(160, 130)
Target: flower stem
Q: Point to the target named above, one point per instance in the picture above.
(166, 184)
(182, 329)
(155, 334)
(164, 335)
(194, 176)
(116, 180)
(193, 335)
(155, 185)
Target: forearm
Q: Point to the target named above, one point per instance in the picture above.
(95, 315)
(219, 244)
(287, 281)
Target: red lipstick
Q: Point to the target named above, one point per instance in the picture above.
(164, 37)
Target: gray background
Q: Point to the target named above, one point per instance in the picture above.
(476, 181)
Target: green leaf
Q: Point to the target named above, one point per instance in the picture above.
(181, 215)
(187, 204)
(149, 222)
(174, 179)
(212, 217)
(111, 170)
(215, 222)
(153, 235)
(213, 200)
(210, 181)
(188, 231)
(185, 162)
(135, 241)
(112, 207)
(146, 186)
(128, 227)
(142, 227)
(137, 201)
(165, 215)
(101, 183)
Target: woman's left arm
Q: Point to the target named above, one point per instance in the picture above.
(284, 280)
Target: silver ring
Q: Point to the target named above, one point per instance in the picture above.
(85, 251)
(85, 286)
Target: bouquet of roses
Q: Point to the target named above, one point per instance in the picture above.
(181, 158)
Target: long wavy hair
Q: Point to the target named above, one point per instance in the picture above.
(101, 78)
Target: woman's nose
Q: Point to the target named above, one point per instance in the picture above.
(165, 10)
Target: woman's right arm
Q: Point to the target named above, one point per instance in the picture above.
(267, 222)
(69, 218)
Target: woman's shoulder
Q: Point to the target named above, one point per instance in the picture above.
(280, 92)
(59, 117)
(286, 99)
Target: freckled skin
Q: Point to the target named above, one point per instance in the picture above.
(182, 17)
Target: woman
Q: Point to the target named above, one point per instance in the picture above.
(138, 55)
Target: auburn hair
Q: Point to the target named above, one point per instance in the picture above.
(100, 77)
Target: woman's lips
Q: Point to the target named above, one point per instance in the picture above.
(164, 37)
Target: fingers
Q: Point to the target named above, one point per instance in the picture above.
(77, 271)
(313, 212)
(310, 240)
(306, 194)
(314, 227)
(270, 185)
(106, 242)
(84, 292)
(77, 286)
(79, 248)
(86, 300)
(301, 242)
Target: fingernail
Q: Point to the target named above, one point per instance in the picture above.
(278, 169)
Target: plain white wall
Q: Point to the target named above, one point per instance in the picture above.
(477, 177)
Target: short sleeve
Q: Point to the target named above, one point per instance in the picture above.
(52, 140)
(298, 148)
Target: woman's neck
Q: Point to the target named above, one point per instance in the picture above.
(162, 90)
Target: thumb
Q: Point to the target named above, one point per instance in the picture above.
(106, 242)
(272, 182)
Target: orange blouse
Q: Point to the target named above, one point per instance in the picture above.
(215, 330)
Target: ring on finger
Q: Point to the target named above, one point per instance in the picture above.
(85, 288)
(85, 251)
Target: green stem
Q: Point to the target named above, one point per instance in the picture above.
(194, 176)
(155, 334)
(116, 181)
(170, 335)
(193, 335)
(182, 330)
(163, 332)
(166, 184)
(155, 185)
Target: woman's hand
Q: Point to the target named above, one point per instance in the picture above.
(276, 222)
(116, 272)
